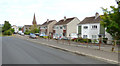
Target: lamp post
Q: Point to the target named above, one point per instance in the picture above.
(118, 2)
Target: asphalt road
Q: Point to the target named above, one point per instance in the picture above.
(18, 51)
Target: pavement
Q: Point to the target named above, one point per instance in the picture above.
(21, 51)
(110, 57)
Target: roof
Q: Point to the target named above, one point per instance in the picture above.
(61, 22)
(46, 23)
(28, 25)
(91, 20)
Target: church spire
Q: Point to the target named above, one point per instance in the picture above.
(34, 20)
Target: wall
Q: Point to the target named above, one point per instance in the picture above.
(50, 27)
(72, 26)
(90, 31)
(58, 31)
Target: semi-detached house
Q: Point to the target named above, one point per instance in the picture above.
(65, 27)
(47, 27)
(90, 28)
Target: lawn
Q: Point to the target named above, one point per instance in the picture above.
(0, 34)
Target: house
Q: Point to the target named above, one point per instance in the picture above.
(47, 27)
(16, 29)
(90, 28)
(65, 27)
(28, 27)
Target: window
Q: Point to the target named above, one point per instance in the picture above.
(56, 27)
(94, 36)
(64, 27)
(84, 36)
(85, 27)
(60, 27)
(94, 26)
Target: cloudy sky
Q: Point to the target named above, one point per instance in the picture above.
(20, 12)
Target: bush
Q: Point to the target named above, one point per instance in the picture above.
(8, 32)
(105, 40)
(27, 33)
(85, 40)
(45, 37)
(41, 36)
(74, 39)
(12, 30)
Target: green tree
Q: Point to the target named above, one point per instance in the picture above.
(20, 29)
(12, 30)
(34, 29)
(111, 21)
(6, 26)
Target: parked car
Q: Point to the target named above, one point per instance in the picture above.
(33, 36)
(22, 34)
(64, 38)
(73, 35)
(37, 34)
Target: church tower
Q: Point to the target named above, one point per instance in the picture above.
(34, 20)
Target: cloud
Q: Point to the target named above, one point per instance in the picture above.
(20, 12)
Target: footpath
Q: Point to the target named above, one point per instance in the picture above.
(110, 57)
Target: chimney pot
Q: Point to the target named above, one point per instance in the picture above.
(47, 20)
(64, 18)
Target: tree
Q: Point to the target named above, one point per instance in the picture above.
(111, 21)
(6, 26)
(12, 30)
(20, 29)
(34, 29)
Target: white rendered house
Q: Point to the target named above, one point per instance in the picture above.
(90, 28)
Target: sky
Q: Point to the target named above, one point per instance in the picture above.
(21, 12)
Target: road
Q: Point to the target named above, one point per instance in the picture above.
(18, 51)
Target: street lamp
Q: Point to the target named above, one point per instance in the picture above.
(118, 1)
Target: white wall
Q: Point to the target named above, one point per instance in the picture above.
(107, 35)
(89, 32)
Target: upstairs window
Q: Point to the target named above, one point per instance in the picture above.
(94, 27)
(64, 27)
(60, 27)
(85, 27)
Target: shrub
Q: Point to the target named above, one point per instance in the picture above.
(8, 32)
(27, 33)
(89, 41)
(85, 40)
(45, 37)
(41, 36)
(12, 30)
(76, 40)
(105, 40)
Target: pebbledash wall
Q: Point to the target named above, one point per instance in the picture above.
(90, 31)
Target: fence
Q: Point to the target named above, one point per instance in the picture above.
(106, 45)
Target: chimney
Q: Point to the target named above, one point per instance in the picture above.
(64, 18)
(96, 15)
(47, 20)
